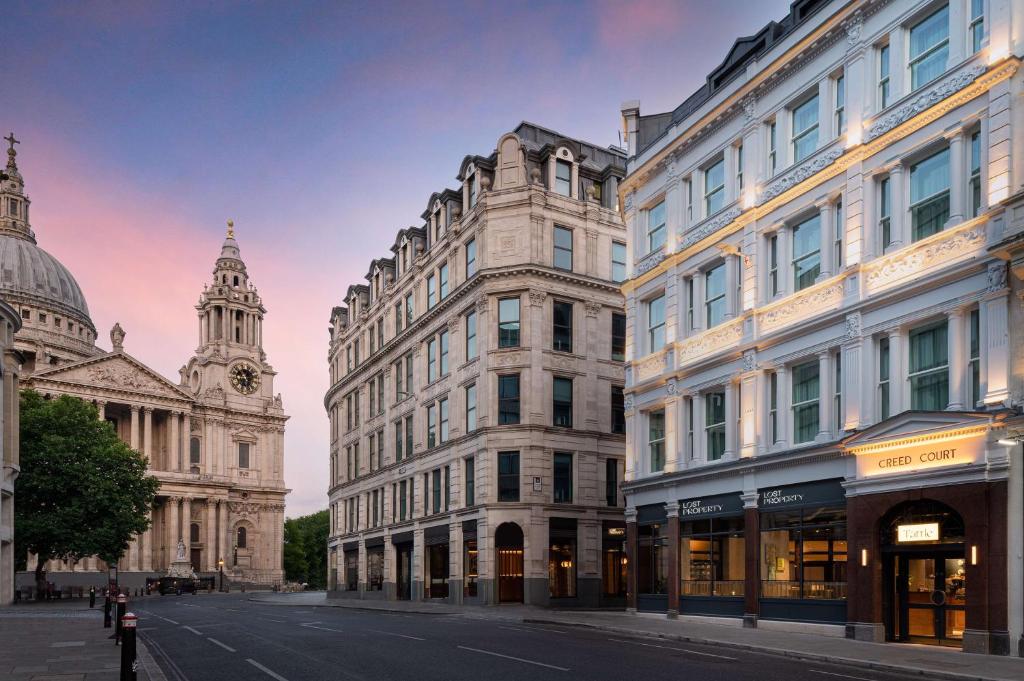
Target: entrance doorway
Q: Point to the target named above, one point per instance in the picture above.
(196, 559)
(925, 574)
(403, 557)
(508, 542)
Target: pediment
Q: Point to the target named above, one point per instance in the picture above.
(114, 371)
(918, 424)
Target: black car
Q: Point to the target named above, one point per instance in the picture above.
(176, 585)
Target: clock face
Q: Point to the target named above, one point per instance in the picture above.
(245, 378)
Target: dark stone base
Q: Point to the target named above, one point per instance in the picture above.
(750, 621)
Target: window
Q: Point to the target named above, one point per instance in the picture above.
(974, 363)
(885, 211)
(408, 436)
(194, 451)
(402, 499)
(563, 248)
(805, 129)
(471, 336)
(714, 187)
(837, 392)
(398, 318)
(563, 178)
(714, 295)
(714, 425)
(806, 253)
(470, 482)
(773, 160)
(656, 227)
(431, 291)
(431, 360)
(561, 316)
(929, 48)
(373, 396)
(711, 557)
(883, 77)
(470, 258)
(431, 426)
(840, 104)
(470, 408)
(929, 194)
(838, 224)
(773, 407)
(806, 553)
(690, 422)
(398, 441)
(806, 387)
(884, 388)
(611, 482)
(562, 474)
(193, 533)
(243, 454)
(240, 538)
(508, 323)
(929, 368)
(975, 184)
(618, 337)
(689, 200)
(508, 399)
(380, 333)
(443, 408)
(561, 390)
(618, 410)
(976, 28)
(444, 353)
(508, 476)
(656, 324)
(652, 560)
(773, 265)
(435, 489)
(442, 276)
(471, 186)
(408, 309)
(739, 167)
(408, 375)
(618, 261)
(656, 440)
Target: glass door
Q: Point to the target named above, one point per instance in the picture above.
(404, 572)
(931, 598)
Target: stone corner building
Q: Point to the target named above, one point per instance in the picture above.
(10, 370)
(476, 390)
(214, 438)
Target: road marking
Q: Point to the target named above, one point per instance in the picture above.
(517, 659)
(271, 674)
(165, 619)
(194, 631)
(532, 629)
(306, 624)
(222, 645)
(391, 633)
(270, 619)
(682, 650)
(67, 644)
(310, 626)
(845, 676)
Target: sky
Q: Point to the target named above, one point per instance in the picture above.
(320, 128)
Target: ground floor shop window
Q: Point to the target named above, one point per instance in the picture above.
(562, 568)
(803, 553)
(437, 571)
(652, 560)
(472, 568)
(613, 562)
(351, 570)
(711, 557)
(375, 568)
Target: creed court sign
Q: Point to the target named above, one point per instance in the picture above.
(908, 455)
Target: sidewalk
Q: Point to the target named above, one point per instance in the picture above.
(934, 661)
(62, 640)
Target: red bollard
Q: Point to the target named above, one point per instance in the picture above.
(129, 666)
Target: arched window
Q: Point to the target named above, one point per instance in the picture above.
(193, 533)
(241, 538)
(236, 280)
(194, 451)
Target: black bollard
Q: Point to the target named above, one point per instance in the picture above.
(128, 662)
(92, 597)
(122, 603)
(106, 610)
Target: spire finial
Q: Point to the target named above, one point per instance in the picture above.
(231, 229)
(11, 153)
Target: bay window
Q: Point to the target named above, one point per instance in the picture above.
(563, 178)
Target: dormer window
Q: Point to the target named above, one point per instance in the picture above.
(563, 178)
(471, 185)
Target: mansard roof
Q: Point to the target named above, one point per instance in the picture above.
(444, 197)
(407, 233)
(382, 263)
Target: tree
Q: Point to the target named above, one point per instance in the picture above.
(81, 491)
(305, 549)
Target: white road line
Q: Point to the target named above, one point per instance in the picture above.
(845, 676)
(306, 624)
(517, 659)
(165, 619)
(194, 631)
(271, 674)
(682, 650)
(222, 645)
(391, 633)
(527, 627)
(310, 626)
(270, 619)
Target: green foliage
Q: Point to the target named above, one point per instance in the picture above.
(305, 549)
(81, 491)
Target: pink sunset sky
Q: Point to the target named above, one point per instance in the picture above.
(320, 128)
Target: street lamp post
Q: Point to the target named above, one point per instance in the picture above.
(220, 565)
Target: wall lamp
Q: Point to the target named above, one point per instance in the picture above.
(863, 557)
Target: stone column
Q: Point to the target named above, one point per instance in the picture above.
(672, 511)
(186, 526)
(699, 313)
(698, 453)
(897, 374)
(224, 531)
(183, 453)
(211, 536)
(631, 560)
(731, 411)
(134, 442)
(827, 233)
(101, 407)
(825, 393)
(956, 358)
(751, 424)
(175, 446)
(899, 216)
(783, 412)
(785, 262)
(751, 559)
(957, 176)
(732, 302)
(147, 543)
(172, 528)
(147, 431)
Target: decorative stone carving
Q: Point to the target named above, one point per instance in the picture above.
(123, 377)
(593, 309)
(853, 325)
(749, 104)
(453, 324)
(749, 362)
(628, 204)
(853, 27)
(799, 174)
(716, 339)
(504, 359)
(507, 244)
(802, 305)
(627, 403)
(996, 276)
(537, 297)
(481, 305)
(215, 392)
(651, 367)
(563, 363)
(706, 229)
(117, 335)
(650, 261)
(670, 387)
(913, 261)
(924, 100)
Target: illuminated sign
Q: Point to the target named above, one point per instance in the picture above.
(616, 531)
(910, 456)
(921, 532)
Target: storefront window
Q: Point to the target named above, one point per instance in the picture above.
(375, 568)
(562, 568)
(613, 561)
(652, 560)
(711, 557)
(351, 570)
(472, 570)
(437, 571)
(803, 553)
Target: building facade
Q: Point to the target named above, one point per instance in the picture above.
(475, 405)
(214, 437)
(10, 369)
(819, 394)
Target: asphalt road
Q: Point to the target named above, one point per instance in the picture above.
(225, 637)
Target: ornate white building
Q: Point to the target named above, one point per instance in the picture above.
(214, 438)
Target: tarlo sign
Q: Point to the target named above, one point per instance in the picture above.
(920, 532)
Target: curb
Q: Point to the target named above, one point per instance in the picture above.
(780, 652)
(361, 608)
(147, 663)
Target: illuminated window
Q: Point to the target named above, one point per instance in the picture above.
(805, 129)
(656, 440)
(929, 368)
(929, 48)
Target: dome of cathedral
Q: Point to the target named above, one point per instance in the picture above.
(30, 274)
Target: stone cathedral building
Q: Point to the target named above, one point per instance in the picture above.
(214, 437)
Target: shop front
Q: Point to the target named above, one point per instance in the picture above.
(712, 555)
(614, 564)
(403, 543)
(652, 559)
(435, 579)
(470, 562)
